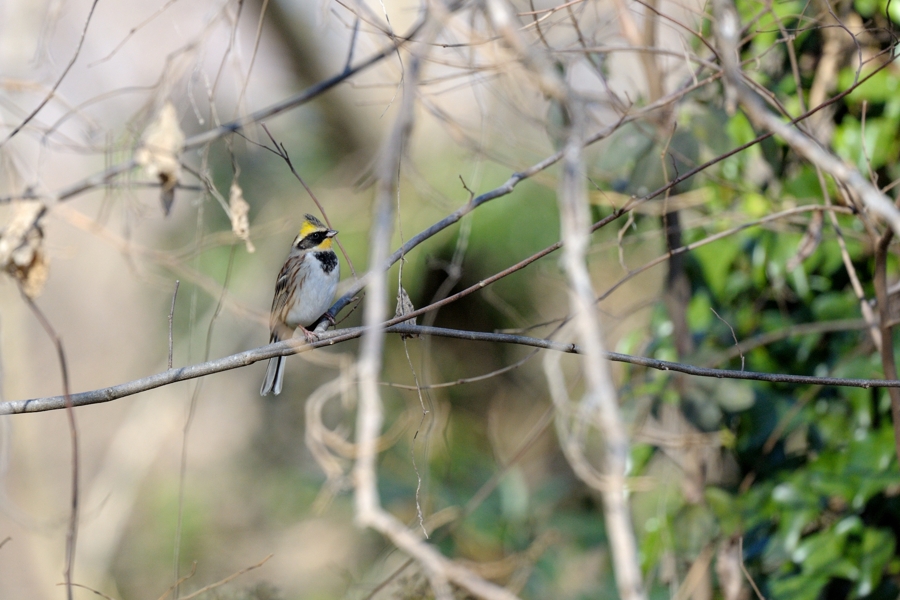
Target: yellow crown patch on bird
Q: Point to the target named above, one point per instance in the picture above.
(310, 224)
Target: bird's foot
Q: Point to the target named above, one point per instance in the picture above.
(311, 336)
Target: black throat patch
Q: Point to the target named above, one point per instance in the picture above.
(328, 259)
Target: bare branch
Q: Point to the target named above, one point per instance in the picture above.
(599, 403)
(330, 338)
(888, 359)
(439, 570)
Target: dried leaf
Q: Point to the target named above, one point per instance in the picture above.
(160, 152)
(404, 307)
(239, 211)
(33, 275)
(21, 247)
(729, 570)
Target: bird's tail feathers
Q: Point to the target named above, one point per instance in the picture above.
(274, 377)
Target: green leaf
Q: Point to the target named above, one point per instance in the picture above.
(725, 509)
(716, 261)
(877, 551)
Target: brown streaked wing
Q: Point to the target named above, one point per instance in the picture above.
(285, 293)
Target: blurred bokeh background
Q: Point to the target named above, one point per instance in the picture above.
(206, 477)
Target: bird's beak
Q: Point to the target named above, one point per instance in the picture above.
(330, 233)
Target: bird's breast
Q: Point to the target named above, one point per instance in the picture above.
(320, 278)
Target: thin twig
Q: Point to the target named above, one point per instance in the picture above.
(192, 409)
(482, 494)
(221, 582)
(412, 449)
(788, 417)
(259, 27)
(718, 236)
(201, 139)
(745, 571)
(553, 9)
(56, 85)
(463, 380)
(733, 336)
(536, 22)
(179, 581)
(353, 36)
(769, 337)
(131, 32)
(90, 589)
(171, 318)
(282, 152)
(72, 531)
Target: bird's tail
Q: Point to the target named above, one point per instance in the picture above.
(274, 374)
(274, 377)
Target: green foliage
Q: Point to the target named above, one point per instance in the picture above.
(806, 476)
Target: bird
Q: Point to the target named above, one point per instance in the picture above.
(303, 292)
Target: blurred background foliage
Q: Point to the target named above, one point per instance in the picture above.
(805, 476)
(796, 484)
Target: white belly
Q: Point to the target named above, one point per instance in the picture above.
(316, 295)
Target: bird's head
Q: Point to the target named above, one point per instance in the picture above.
(314, 235)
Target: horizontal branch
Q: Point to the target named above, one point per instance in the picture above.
(330, 338)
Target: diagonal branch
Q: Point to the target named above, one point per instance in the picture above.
(728, 28)
(510, 184)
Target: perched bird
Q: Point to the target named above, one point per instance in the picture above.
(303, 292)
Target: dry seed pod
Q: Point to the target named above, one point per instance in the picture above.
(160, 152)
(404, 307)
(239, 211)
(21, 247)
